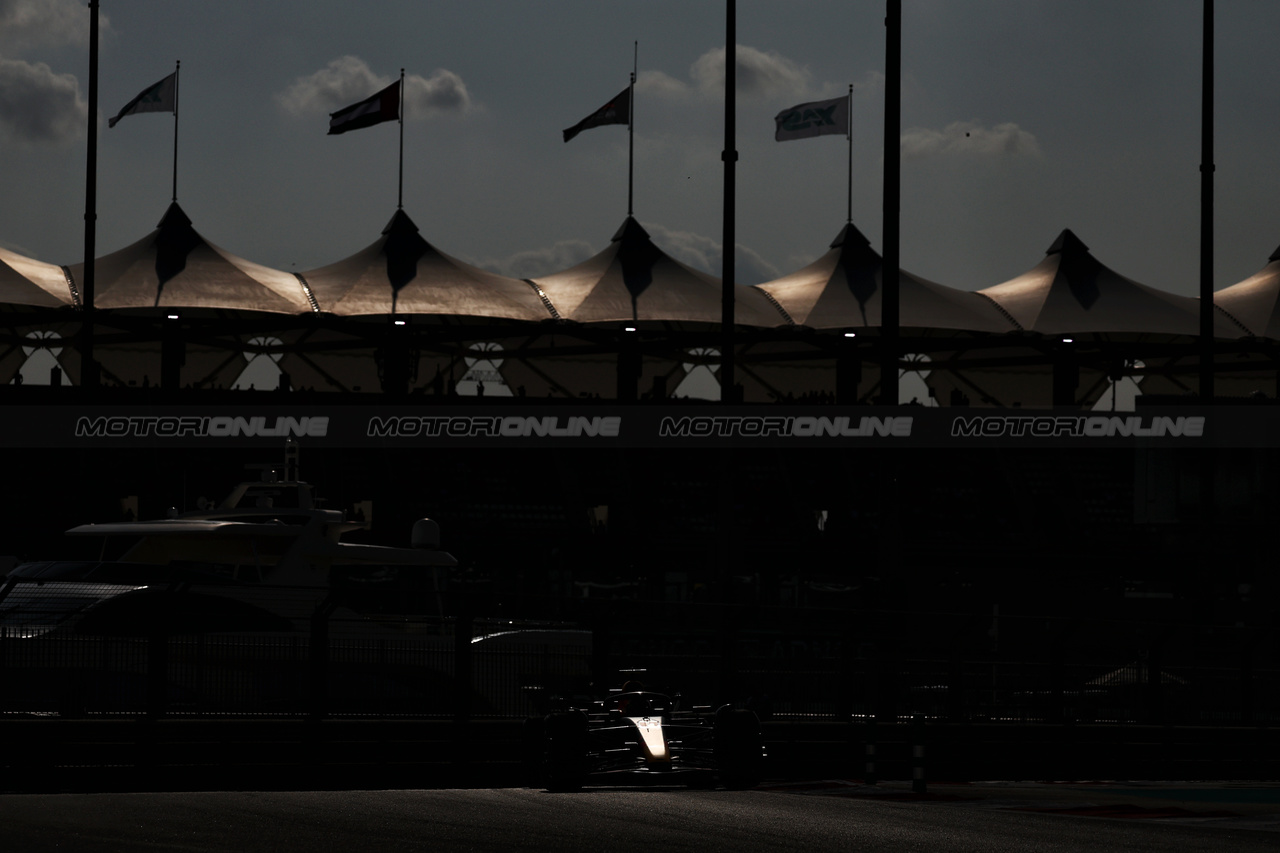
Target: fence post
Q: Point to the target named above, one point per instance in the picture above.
(463, 627)
(917, 755)
(157, 671)
(318, 661)
(1058, 711)
(887, 701)
(869, 768)
(601, 641)
(727, 680)
(844, 678)
(955, 690)
(1246, 683)
(4, 636)
(462, 630)
(1154, 688)
(4, 681)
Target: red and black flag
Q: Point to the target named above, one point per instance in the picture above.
(617, 111)
(375, 109)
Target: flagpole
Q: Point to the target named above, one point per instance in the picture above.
(889, 313)
(88, 364)
(849, 135)
(1206, 209)
(176, 76)
(631, 131)
(400, 199)
(728, 383)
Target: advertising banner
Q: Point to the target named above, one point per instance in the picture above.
(326, 425)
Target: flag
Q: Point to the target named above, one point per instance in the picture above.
(375, 109)
(158, 98)
(617, 111)
(816, 118)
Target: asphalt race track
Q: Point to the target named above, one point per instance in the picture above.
(644, 821)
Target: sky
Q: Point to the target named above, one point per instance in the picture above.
(1019, 118)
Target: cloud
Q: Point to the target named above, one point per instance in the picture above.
(538, 262)
(345, 80)
(39, 107)
(750, 268)
(25, 24)
(705, 254)
(758, 73)
(662, 85)
(969, 138)
(442, 92)
(349, 79)
(872, 83)
(17, 249)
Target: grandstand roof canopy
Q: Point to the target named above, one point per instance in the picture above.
(24, 281)
(1255, 302)
(175, 267)
(632, 280)
(1071, 292)
(842, 289)
(401, 273)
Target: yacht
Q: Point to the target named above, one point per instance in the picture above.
(236, 608)
(267, 558)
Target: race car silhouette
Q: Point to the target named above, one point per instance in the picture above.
(642, 736)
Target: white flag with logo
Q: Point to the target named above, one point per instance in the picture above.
(816, 118)
(157, 98)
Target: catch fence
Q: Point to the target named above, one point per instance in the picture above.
(832, 667)
(443, 668)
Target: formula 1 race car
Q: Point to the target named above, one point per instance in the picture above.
(641, 736)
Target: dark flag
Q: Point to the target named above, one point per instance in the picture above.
(384, 106)
(617, 111)
(160, 97)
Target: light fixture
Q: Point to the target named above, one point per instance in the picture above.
(628, 328)
(850, 334)
(399, 322)
(173, 316)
